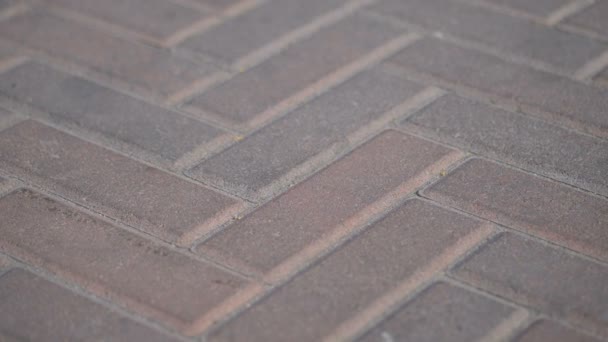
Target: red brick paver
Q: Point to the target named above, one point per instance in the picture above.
(303, 170)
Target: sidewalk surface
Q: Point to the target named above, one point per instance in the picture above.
(304, 170)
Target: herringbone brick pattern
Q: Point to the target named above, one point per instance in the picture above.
(294, 170)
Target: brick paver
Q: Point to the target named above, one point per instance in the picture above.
(551, 331)
(538, 7)
(442, 313)
(54, 313)
(330, 198)
(290, 170)
(273, 151)
(527, 202)
(510, 34)
(251, 31)
(135, 193)
(156, 71)
(109, 260)
(390, 254)
(72, 100)
(252, 92)
(580, 105)
(157, 19)
(538, 146)
(543, 277)
(592, 18)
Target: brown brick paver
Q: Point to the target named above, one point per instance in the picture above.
(72, 100)
(391, 253)
(253, 30)
(135, 193)
(551, 331)
(580, 105)
(538, 146)
(592, 18)
(538, 7)
(307, 131)
(443, 312)
(510, 34)
(250, 93)
(543, 277)
(54, 313)
(155, 71)
(157, 19)
(538, 206)
(109, 260)
(330, 198)
(303, 170)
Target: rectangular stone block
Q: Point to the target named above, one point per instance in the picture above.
(517, 139)
(310, 306)
(537, 7)
(313, 208)
(35, 309)
(543, 277)
(550, 331)
(442, 312)
(271, 152)
(578, 104)
(247, 94)
(134, 193)
(157, 19)
(73, 100)
(523, 201)
(592, 18)
(237, 37)
(156, 71)
(510, 34)
(110, 261)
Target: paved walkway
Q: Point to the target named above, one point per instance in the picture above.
(303, 170)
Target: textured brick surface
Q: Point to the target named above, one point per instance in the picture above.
(313, 208)
(592, 18)
(543, 277)
(587, 106)
(551, 331)
(538, 7)
(307, 308)
(218, 4)
(53, 313)
(603, 75)
(442, 313)
(109, 259)
(247, 94)
(132, 192)
(238, 37)
(4, 262)
(511, 34)
(156, 18)
(544, 148)
(553, 211)
(155, 70)
(276, 149)
(4, 113)
(6, 4)
(71, 99)
(285, 170)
